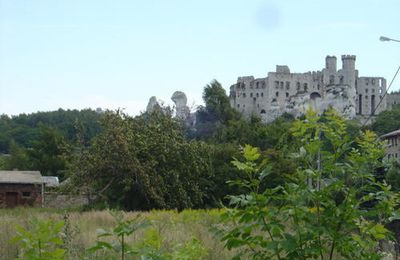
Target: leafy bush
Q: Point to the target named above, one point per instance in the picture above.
(150, 247)
(122, 229)
(332, 207)
(43, 241)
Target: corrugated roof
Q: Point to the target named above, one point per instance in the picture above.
(31, 177)
(51, 181)
(394, 133)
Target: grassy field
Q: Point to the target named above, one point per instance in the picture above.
(172, 227)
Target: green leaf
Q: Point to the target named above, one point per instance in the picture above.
(251, 153)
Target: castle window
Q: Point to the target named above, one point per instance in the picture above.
(243, 105)
(331, 79)
(277, 94)
(366, 97)
(372, 104)
(318, 86)
(373, 81)
(373, 90)
(244, 95)
(263, 111)
(298, 85)
(251, 94)
(257, 95)
(254, 99)
(287, 85)
(257, 84)
(263, 85)
(341, 79)
(305, 86)
(281, 84)
(287, 94)
(238, 105)
(276, 84)
(366, 90)
(262, 94)
(367, 82)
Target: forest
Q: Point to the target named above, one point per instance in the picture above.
(169, 164)
(315, 187)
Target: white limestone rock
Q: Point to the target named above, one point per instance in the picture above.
(152, 105)
(180, 100)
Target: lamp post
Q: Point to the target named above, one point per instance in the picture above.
(386, 39)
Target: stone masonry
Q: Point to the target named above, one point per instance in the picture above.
(282, 91)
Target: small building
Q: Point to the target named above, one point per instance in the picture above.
(51, 181)
(21, 188)
(393, 144)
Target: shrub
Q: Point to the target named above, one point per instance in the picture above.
(332, 207)
(43, 241)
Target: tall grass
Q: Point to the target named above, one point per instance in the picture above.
(80, 229)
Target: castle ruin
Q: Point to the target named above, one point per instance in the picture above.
(282, 91)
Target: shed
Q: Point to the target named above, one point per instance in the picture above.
(51, 181)
(21, 188)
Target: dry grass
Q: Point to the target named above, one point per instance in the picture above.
(173, 227)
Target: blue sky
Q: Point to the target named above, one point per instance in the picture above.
(116, 54)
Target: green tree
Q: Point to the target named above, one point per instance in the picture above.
(217, 102)
(332, 206)
(393, 175)
(25, 128)
(48, 153)
(255, 132)
(387, 121)
(17, 159)
(145, 162)
(216, 112)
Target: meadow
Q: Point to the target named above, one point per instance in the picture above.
(166, 231)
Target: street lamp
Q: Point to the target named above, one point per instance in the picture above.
(386, 39)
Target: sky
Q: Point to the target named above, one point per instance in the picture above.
(80, 54)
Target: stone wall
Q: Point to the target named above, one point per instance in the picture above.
(393, 99)
(55, 200)
(282, 91)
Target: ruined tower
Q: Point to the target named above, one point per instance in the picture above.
(348, 71)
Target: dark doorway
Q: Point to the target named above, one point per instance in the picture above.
(372, 104)
(11, 199)
(315, 95)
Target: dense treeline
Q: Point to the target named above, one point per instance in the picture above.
(43, 141)
(25, 128)
(154, 160)
(387, 121)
